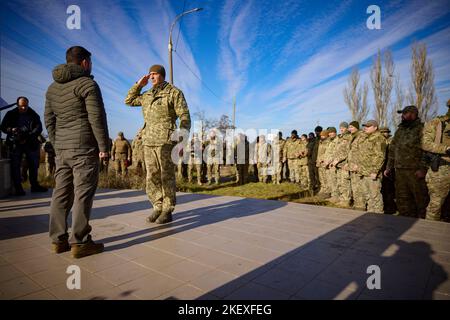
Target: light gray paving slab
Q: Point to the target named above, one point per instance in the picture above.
(222, 247)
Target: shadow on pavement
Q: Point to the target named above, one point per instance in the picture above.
(335, 266)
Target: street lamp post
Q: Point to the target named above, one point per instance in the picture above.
(170, 38)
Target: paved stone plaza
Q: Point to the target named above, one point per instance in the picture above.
(225, 248)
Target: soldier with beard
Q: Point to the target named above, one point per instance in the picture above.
(405, 157)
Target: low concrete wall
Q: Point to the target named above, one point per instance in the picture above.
(5, 177)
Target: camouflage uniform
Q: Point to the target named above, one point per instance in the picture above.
(278, 150)
(387, 183)
(353, 165)
(291, 152)
(138, 152)
(242, 158)
(180, 152)
(342, 149)
(195, 159)
(213, 153)
(436, 140)
(312, 157)
(161, 106)
(302, 162)
(371, 159)
(121, 151)
(331, 171)
(405, 156)
(320, 164)
(263, 159)
(50, 156)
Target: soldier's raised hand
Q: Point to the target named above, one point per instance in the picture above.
(142, 82)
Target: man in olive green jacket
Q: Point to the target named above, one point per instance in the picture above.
(162, 105)
(76, 123)
(405, 157)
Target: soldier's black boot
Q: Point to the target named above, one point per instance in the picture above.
(164, 218)
(154, 216)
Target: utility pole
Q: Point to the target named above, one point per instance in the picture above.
(234, 112)
(170, 39)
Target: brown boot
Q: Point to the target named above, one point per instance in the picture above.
(60, 247)
(164, 218)
(86, 249)
(154, 216)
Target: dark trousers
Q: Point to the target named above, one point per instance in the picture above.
(76, 180)
(32, 156)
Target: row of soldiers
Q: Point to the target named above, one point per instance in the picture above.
(408, 173)
(367, 169)
(125, 155)
(122, 153)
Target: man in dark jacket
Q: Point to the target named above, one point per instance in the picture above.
(76, 123)
(23, 126)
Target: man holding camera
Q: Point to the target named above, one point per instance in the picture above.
(23, 126)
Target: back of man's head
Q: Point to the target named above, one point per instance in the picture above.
(77, 54)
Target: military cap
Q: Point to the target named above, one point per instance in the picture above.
(294, 132)
(409, 109)
(343, 125)
(120, 133)
(354, 124)
(331, 129)
(371, 123)
(318, 129)
(324, 133)
(158, 69)
(385, 129)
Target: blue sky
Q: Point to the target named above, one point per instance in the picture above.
(286, 62)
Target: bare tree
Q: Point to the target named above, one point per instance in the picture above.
(364, 110)
(397, 105)
(205, 123)
(224, 123)
(356, 97)
(422, 92)
(382, 83)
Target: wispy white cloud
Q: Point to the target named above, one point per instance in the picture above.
(317, 84)
(236, 36)
(357, 46)
(123, 47)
